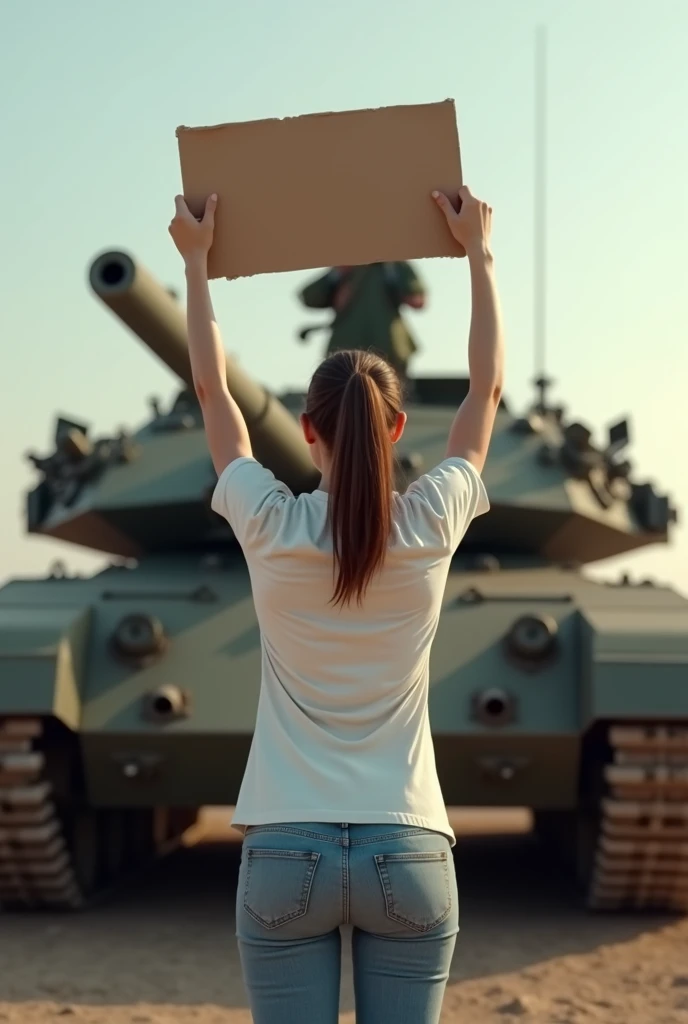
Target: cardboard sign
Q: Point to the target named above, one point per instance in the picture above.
(325, 189)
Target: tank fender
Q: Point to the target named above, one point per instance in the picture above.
(635, 664)
(42, 660)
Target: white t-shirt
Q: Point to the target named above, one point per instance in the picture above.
(342, 732)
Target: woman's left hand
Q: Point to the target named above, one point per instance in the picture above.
(193, 237)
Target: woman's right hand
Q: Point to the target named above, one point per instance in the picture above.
(193, 236)
(472, 225)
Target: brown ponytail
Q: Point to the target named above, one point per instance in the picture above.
(353, 402)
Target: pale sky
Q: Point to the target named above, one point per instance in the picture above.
(90, 96)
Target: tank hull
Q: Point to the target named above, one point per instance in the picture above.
(108, 732)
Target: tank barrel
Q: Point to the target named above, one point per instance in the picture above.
(155, 316)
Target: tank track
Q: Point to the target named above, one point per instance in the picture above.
(35, 866)
(641, 856)
(38, 866)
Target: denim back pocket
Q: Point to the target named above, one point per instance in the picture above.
(416, 888)
(278, 885)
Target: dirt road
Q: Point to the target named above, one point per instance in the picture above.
(163, 950)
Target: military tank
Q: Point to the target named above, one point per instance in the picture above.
(128, 699)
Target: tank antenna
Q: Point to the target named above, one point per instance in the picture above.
(542, 382)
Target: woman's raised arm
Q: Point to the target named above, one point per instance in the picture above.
(470, 433)
(225, 426)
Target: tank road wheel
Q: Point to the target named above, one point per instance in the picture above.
(641, 850)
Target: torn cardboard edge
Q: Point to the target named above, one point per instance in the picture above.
(314, 114)
(321, 189)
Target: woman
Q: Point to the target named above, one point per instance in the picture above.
(340, 804)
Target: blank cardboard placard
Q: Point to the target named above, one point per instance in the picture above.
(325, 189)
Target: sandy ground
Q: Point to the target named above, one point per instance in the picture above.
(163, 949)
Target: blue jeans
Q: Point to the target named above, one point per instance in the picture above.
(395, 885)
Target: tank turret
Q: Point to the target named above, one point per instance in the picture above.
(154, 315)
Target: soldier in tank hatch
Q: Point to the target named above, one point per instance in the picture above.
(367, 303)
